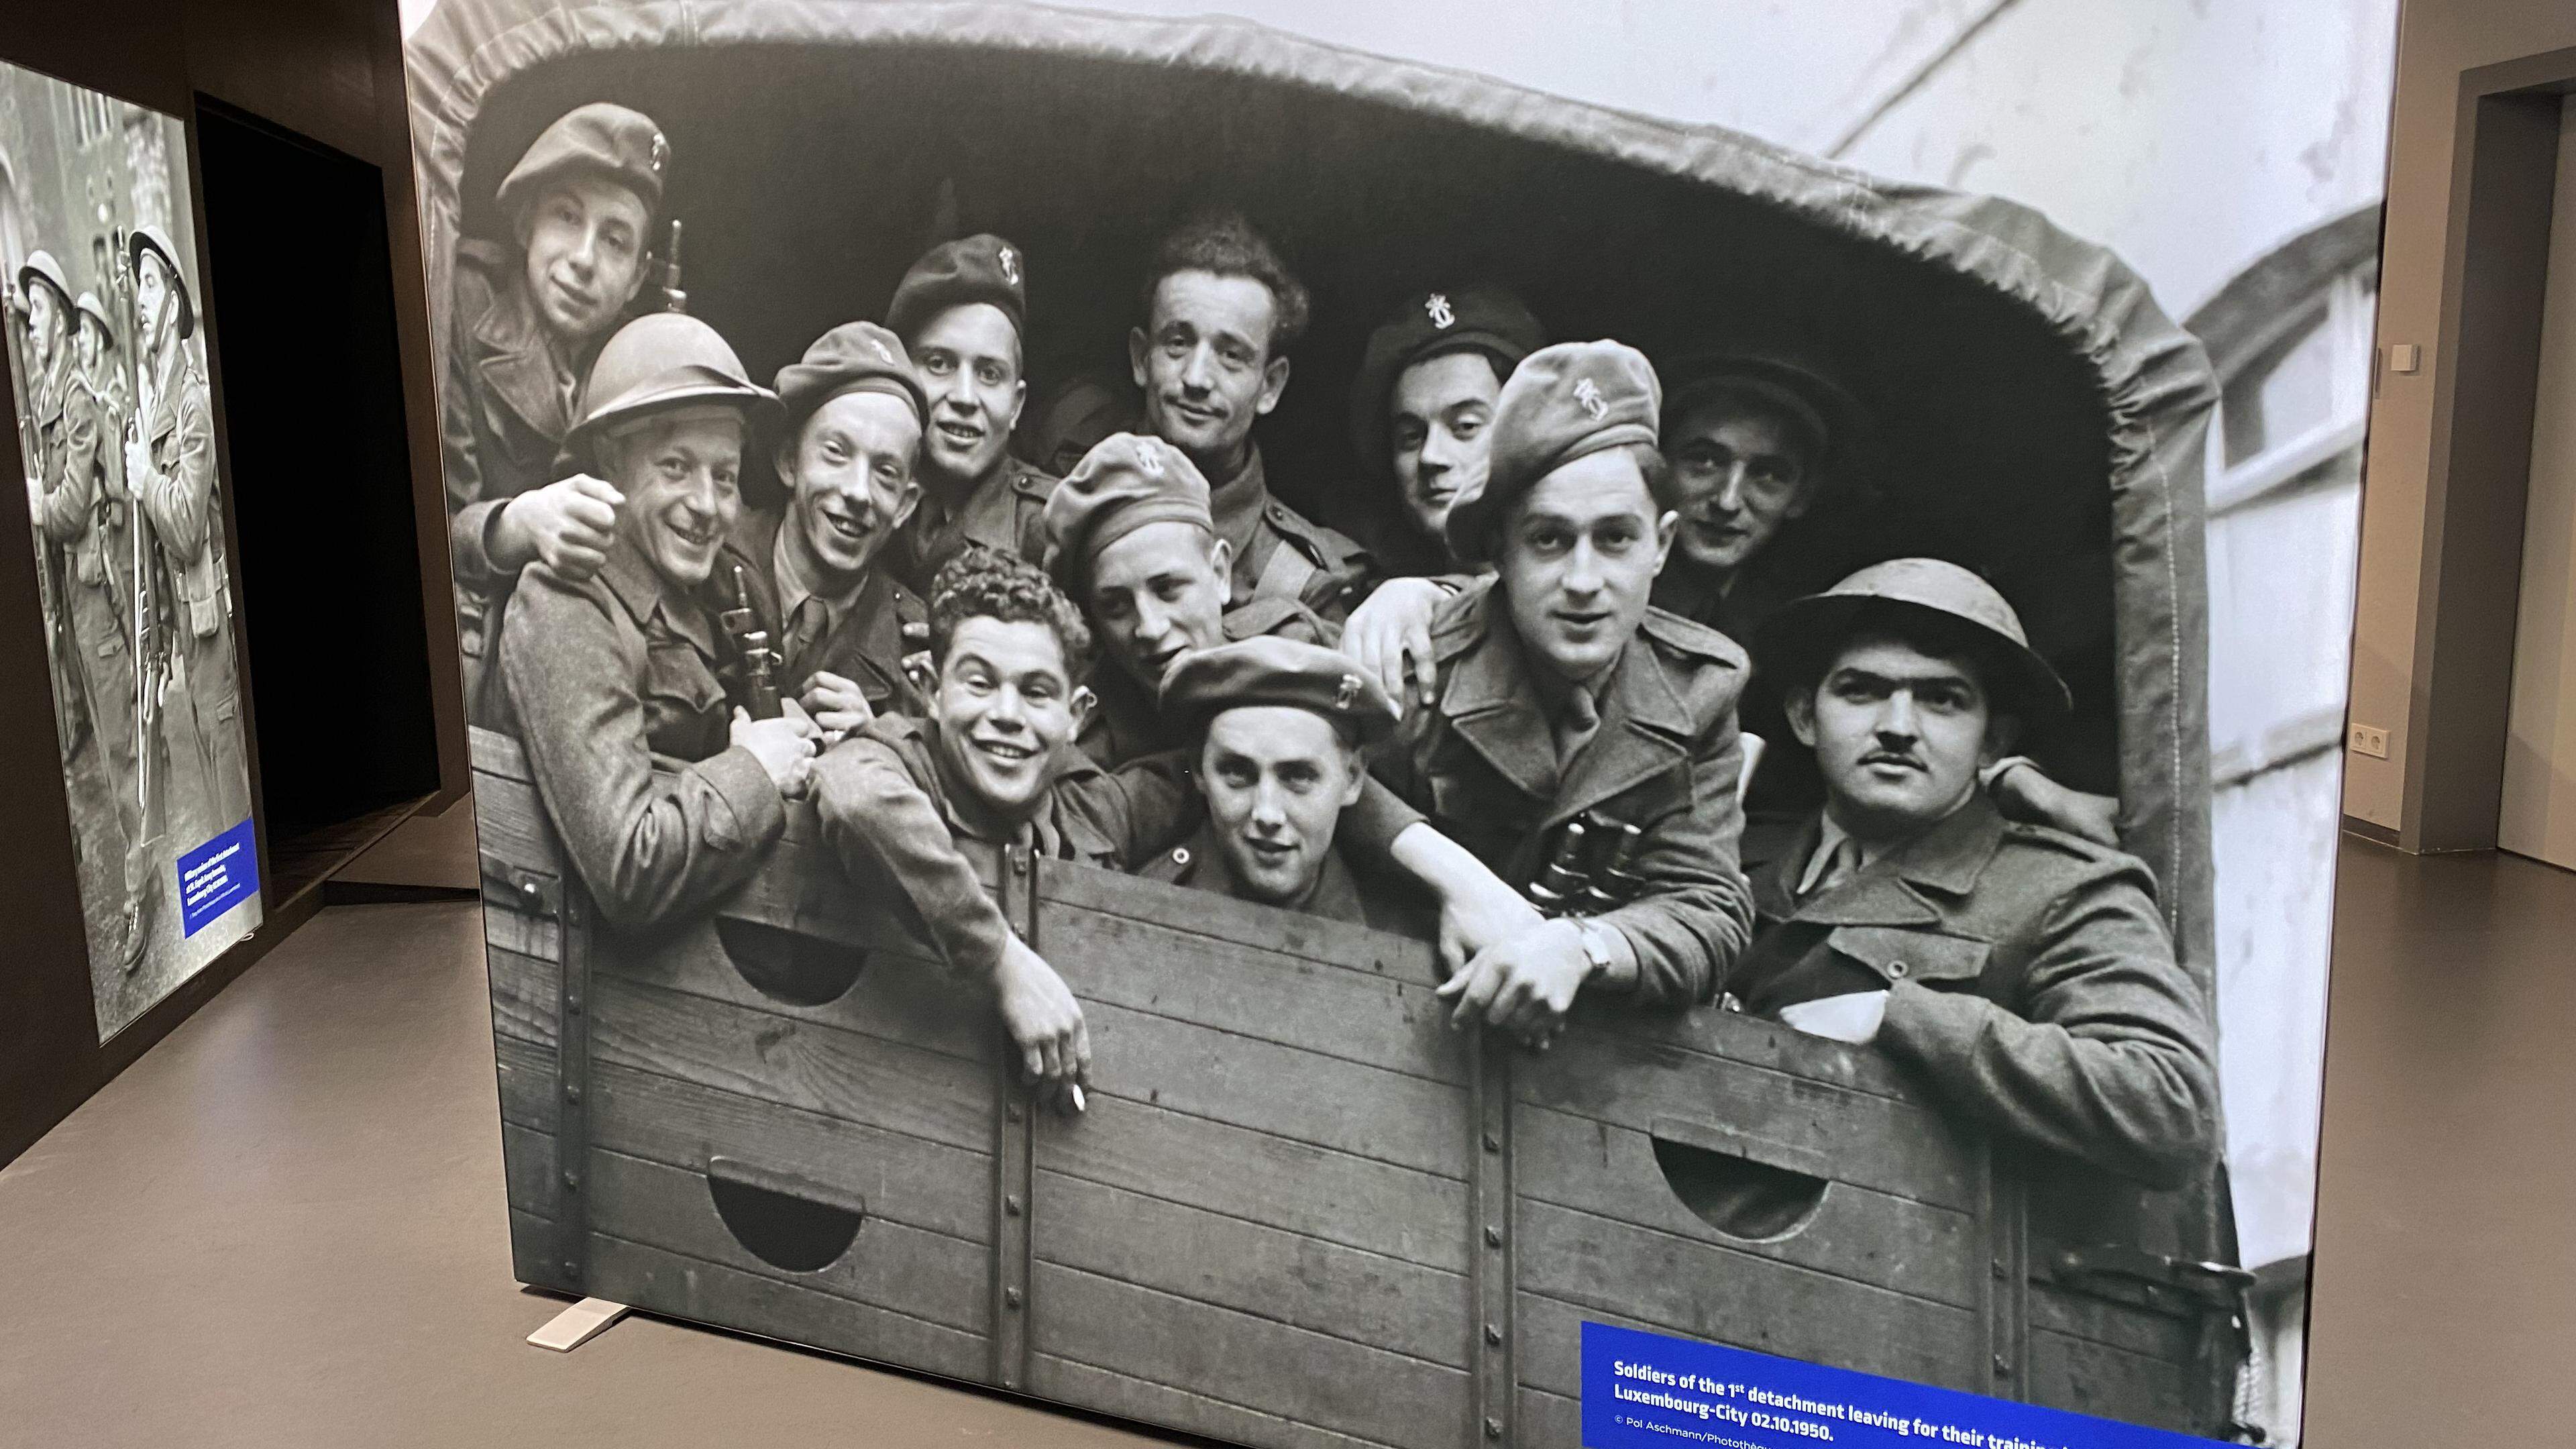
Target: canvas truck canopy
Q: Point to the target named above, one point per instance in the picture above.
(2034, 413)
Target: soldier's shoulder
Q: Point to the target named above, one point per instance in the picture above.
(1032, 482)
(483, 269)
(1173, 865)
(1685, 640)
(1459, 620)
(1328, 548)
(2064, 860)
(897, 732)
(1272, 615)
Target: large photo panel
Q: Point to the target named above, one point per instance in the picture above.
(1299, 723)
(115, 425)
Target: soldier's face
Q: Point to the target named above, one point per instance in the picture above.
(1005, 704)
(1899, 735)
(1740, 470)
(151, 295)
(585, 239)
(969, 361)
(1577, 559)
(1438, 417)
(1203, 360)
(681, 472)
(44, 324)
(1277, 780)
(1158, 593)
(850, 480)
(89, 345)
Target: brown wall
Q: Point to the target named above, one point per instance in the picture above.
(2402, 545)
(332, 70)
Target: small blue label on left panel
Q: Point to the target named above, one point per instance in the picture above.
(217, 876)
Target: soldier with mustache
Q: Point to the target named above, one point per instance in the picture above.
(529, 315)
(813, 569)
(962, 312)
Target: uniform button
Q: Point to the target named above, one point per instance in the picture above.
(1896, 970)
(1180, 855)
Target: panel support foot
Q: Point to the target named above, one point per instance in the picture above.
(578, 1324)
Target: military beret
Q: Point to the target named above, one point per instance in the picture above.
(88, 305)
(853, 357)
(1124, 483)
(1562, 403)
(41, 266)
(1271, 670)
(1803, 393)
(1428, 325)
(980, 268)
(602, 139)
(153, 239)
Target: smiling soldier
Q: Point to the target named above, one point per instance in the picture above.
(962, 312)
(528, 317)
(1221, 312)
(813, 568)
(1560, 694)
(2025, 971)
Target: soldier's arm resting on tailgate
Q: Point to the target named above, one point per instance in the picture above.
(650, 848)
(1696, 912)
(2114, 1063)
(65, 513)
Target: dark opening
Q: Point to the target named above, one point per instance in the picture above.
(300, 283)
(1736, 1195)
(800, 970)
(781, 1221)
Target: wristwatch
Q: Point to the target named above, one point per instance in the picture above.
(1596, 947)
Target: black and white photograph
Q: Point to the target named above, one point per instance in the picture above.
(1229, 717)
(115, 425)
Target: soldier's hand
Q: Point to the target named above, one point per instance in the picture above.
(1044, 1020)
(138, 463)
(835, 703)
(784, 747)
(1524, 985)
(2024, 792)
(567, 525)
(1389, 635)
(1473, 920)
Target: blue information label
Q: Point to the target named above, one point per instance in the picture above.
(217, 876)
(1648, 1391)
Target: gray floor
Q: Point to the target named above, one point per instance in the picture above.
(284, 1226)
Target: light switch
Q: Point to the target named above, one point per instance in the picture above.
(2404, 357)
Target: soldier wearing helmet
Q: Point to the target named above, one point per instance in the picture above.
(607, 668)
(75, 492)
(962, 312)
(2026, 972)
(170, 471)
(581, 206)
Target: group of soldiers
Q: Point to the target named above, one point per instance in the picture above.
(1528, 745)
(121, 486)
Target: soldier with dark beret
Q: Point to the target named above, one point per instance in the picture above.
(1130, 537)
(611, 674)
(1220, 313)
(813, 568)
(1559, 694)
(1283, 729)
(962, 312)
(528, 315)
(2025, 971)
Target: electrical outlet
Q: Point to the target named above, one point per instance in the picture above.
(2370, 740)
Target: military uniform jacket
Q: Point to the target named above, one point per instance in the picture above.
(1005, 513)
(605, 681)
(1481, 763)
(503, 416)
(1338, 894)
(888, 805)
(2029, 977)
(179, 497)
(883, 624)
(1278, 554)
(79, 459)
(1127, 723)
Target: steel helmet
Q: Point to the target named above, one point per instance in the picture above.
(666, 360)
(158, 240)
(1798, 639)
(88, 305)
(41, 266)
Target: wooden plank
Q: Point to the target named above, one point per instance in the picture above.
(1256, 1363)
(511, 825)
(494, 753)
(1551, 1351)
(1547, 1421)
(506, 928)
(1243, 923)
(1382, 1019)
(1319, 1100)
(1085, 1387)
(1727, 1296)
(774, 1058)
(1612, 1172)
(2094, 1378)
(923, 1275)
(525, 991)
(1755, 1041)
(1873, 1141)
(680, 1287)
(1358, 1202)
(528, 1167)
(806, 887)
(917, 1002)
(909, 1180)
(1366, 1298)
(532, 1261)
(2106, 1321)
(527, 1078)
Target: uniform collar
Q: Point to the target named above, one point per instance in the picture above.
(787, 566)
(517, 362)
(1237, 504)
(1944, 861)
(644, 593)
(1335, 892)
(1490, 701)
